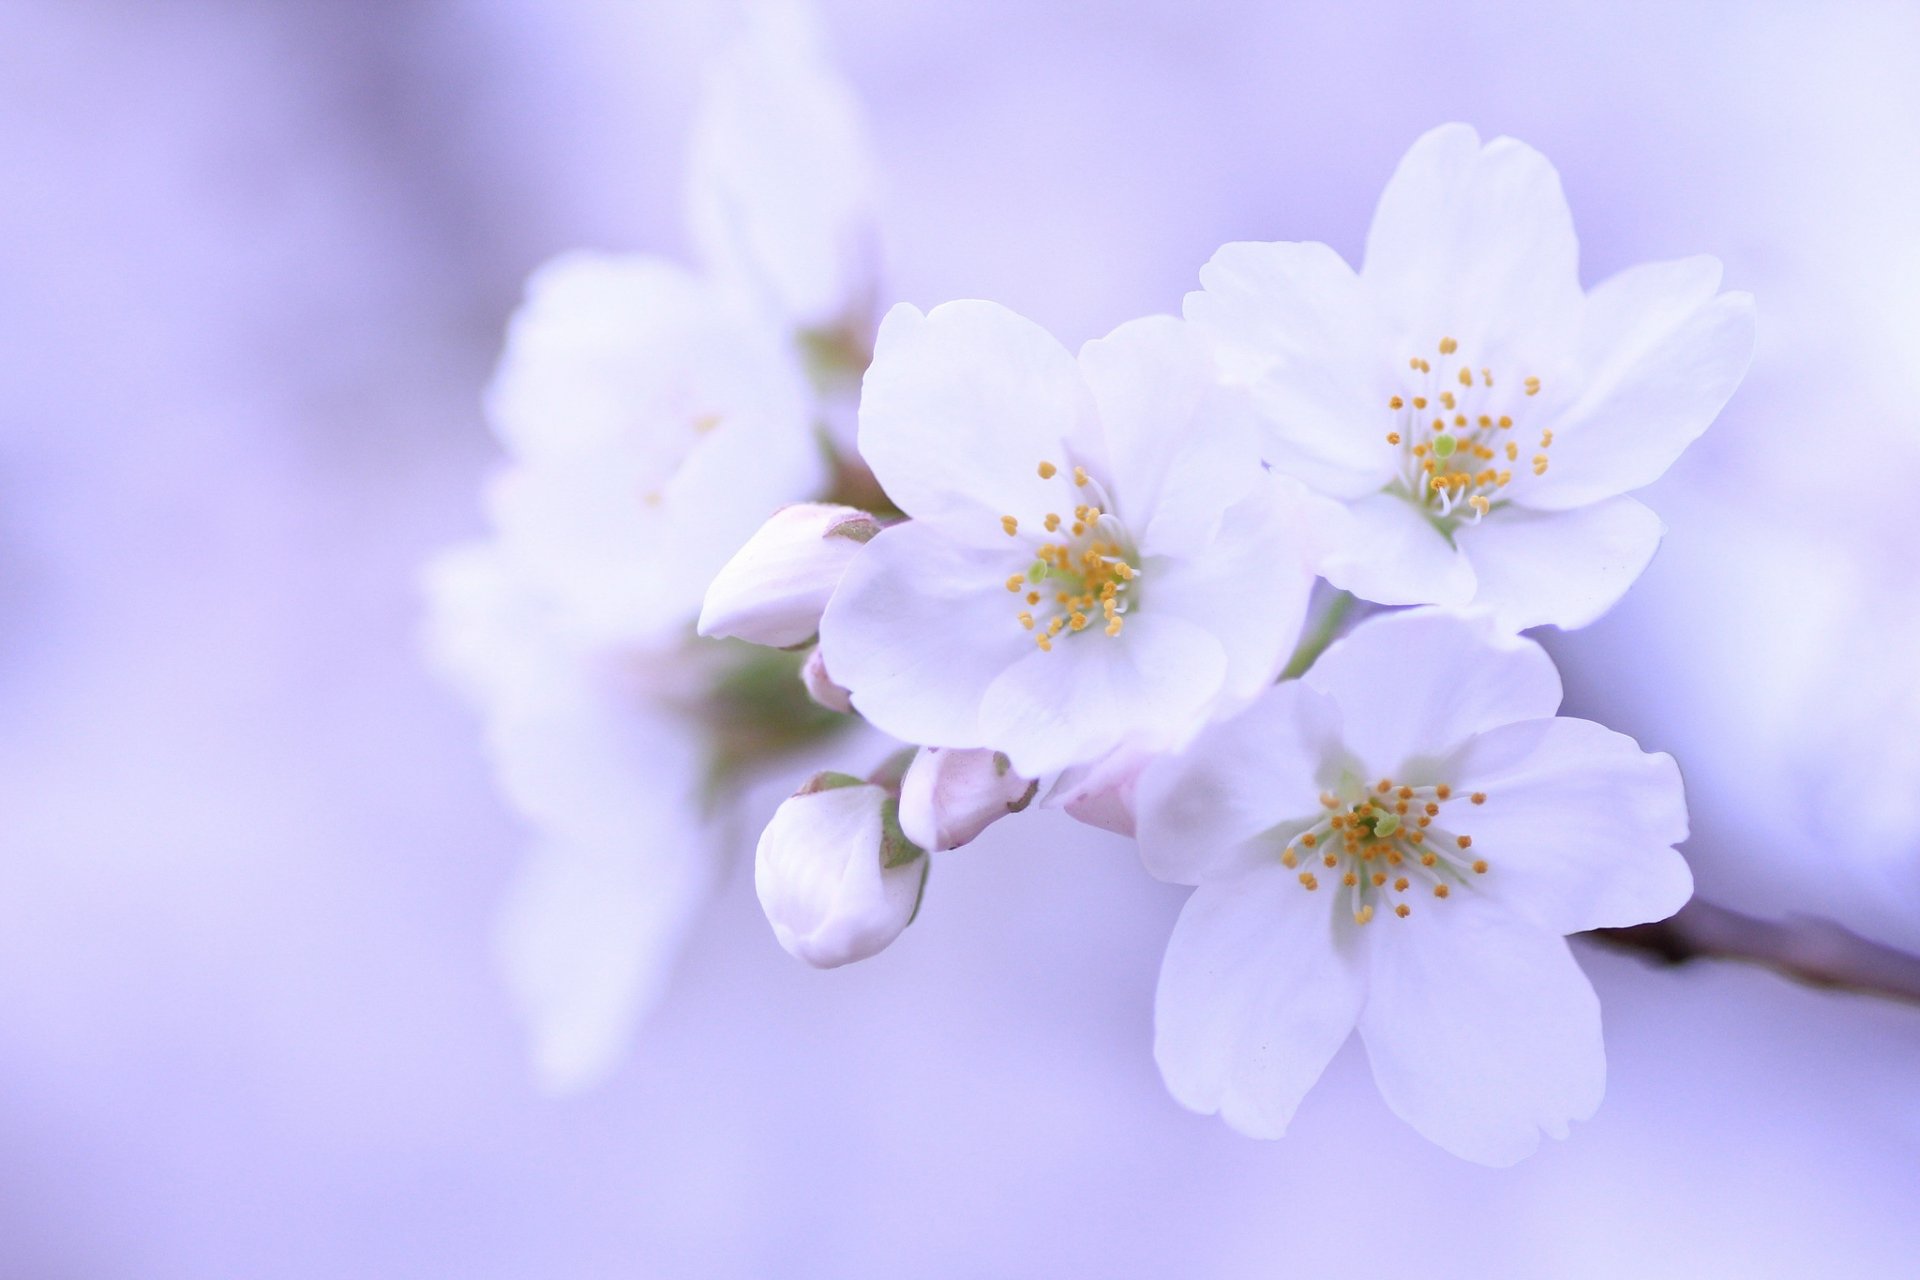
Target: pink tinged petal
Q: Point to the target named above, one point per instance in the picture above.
(1201, 812)
(918, 630)
(1179, 448)
(1393, 554)
(1258, 990)
(1482, 1031)
(1563, 568)
(1291, 323)
(1664, 354)
(1249, 588)
(1413, 687)
(1102, 794)
(1151, 684)
(1474, 243)
(958, 410)
(1578, 827)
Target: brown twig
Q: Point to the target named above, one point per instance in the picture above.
(1815, 952)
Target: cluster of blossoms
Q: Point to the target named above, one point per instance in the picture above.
(1160, 584)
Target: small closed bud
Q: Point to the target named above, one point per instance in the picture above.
(949, 796)
(776, 587)
(835, 876)
(820, 685)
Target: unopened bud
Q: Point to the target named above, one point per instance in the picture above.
(949, 796)
(776, 587)
(820, 685)
(835, 876)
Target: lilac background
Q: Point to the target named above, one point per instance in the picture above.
(254, 261)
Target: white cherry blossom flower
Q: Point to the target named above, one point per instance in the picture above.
(1396, 843)
(836, 877)
(1095, 556)
(654, 421)
(1482, 417)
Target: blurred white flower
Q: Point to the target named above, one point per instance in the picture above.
(949, 796)
(775, 588)
(781, 193)
(1095, 555)
(836, 877)
(653, 421)
(1482, 417)
(621, 861)
(1398, 841)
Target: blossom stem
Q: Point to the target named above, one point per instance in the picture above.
(1325, 629)
(1814, 952)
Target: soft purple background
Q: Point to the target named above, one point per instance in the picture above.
(254, 261)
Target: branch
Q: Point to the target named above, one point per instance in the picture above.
(1815, 952)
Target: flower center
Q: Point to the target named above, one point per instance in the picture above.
(1385, 842)
(1081, 573)
(1455, 435)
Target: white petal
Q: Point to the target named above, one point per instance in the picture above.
(781, 187)
(1257, 992)
(587, 940)
(1249, 588)
(1152, 683)
(1578, 827)
(1662, 354)
(1180, 449)
(961, 406)
(1264, 768)
(1412, 687)
(1474, 243)
(1394, 555)
(1560, 567)
(1291, 323)
(1482, 1031)
(774, 589)
(919, 629)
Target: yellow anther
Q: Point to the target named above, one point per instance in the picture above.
(1479, 797)
(1033, 597)
(1393, 437)
(1440, 891)
(1419, 402)
(1309, 839)
(1379, 878)
(1400, 885)
(1396, 403)
(1048, 471)
(1403, 910)
(1539, 464)
(1350, 880)
(1444, 791)
(1330, 859)
(1448, 346)
(1080, 476)
(1017, 581)
(1505, 422)
(1479, 503)
(1532, 385)
(1290, 858)
(1363, 915)
(1480, 866)
(1466, 378)
(1011, 525)
(1546, 438)
(1052, 522)
(1307, 879)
